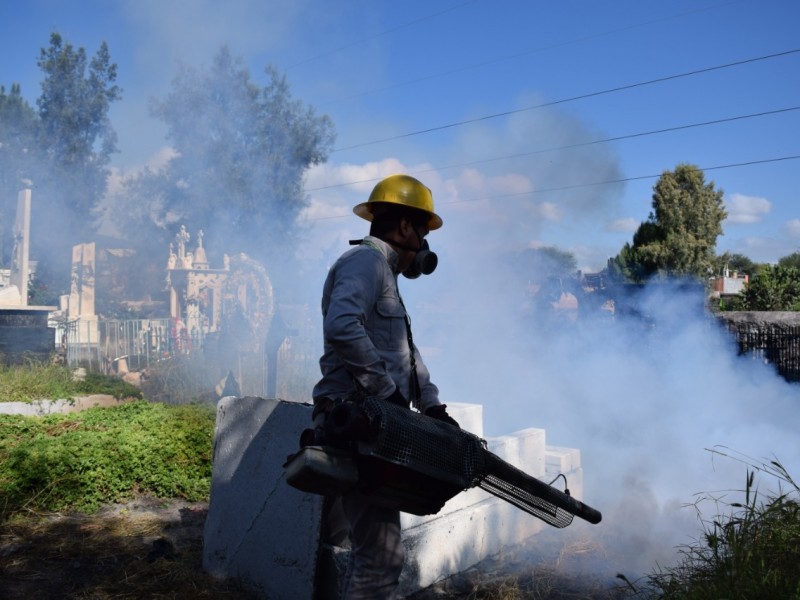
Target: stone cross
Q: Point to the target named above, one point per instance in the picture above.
(183, 237)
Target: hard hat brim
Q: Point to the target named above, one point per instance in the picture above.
(364, 211)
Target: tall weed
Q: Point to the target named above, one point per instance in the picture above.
(751, 551)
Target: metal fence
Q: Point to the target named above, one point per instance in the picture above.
(775, 343)
(139, 342)
(102, 346)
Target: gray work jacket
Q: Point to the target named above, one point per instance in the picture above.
(365, 333)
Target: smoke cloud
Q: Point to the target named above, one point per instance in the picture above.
(644, 395)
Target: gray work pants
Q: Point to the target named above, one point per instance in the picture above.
(376, 557)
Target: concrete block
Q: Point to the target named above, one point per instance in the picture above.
(453, 542)
(260, 530)
(469, 416)
(459, 502)
(40, 408)
(562, 460)
(524, 449)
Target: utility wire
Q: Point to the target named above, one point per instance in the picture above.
(621, 180)
(570, 146)
(592, 184)
(571, 99)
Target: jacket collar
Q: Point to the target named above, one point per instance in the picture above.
(389, 253)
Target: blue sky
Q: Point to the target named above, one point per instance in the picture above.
(529, 83)
(387, 71)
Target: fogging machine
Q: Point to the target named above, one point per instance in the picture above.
(413, 463)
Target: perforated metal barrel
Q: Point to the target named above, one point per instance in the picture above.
(458, 460)
(432, 448)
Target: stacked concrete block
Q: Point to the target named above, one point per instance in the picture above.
(268, 535)
(476, 525)
(562, 460)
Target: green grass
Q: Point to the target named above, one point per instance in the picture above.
(39, 381)
(80, 461)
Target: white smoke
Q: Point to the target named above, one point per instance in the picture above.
(644, 397)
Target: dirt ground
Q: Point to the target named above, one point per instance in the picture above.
(152, 549)
(146, 549)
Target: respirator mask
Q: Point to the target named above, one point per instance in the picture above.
(424, 262)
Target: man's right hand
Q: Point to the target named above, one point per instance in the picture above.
(319, 414)
(439, 412)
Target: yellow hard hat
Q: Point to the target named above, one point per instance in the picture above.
(401, 189)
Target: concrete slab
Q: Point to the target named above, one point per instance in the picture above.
(40, 408)
(259, 530)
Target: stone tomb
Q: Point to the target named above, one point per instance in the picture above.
(24, 330)
(267, 535)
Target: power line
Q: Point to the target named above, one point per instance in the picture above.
(575, 145)
(621, 180)
(593, 184)
(571, 99)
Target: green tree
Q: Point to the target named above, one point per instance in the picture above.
(241, 152)
(735, 262)
(792, 260)
(680, 234)
(538, 264)
(77, 138)
(631, 264)
(19, 131)
(546, 272)
(774, 288)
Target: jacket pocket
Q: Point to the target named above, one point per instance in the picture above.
(389, 327)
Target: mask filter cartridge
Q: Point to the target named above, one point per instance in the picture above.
(424, 262)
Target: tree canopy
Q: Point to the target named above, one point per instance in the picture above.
(76, 133)
(240, 155)
(62, 150)
(19, 154)
(539, 264)
(792, 260)
(735, 262)
(680, 234)
(544, 274)
(776, 287)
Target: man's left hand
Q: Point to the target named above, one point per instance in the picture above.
(439, 412)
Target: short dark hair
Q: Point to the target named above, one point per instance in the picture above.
(386, 217)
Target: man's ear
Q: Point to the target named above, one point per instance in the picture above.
(405, 226)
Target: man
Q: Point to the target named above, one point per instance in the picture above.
(369, 350)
